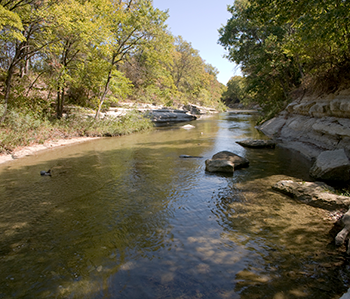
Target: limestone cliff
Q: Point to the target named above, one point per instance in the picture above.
(313, 124)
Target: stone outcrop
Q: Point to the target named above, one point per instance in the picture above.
(225, 161)
(317, 194)
(312, 125)
(257, 143)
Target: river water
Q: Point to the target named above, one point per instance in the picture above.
(127, 217)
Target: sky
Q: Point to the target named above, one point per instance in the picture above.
(198, 21)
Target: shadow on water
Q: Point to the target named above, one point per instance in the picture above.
(127, 218)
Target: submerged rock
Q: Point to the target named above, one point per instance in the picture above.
(331, 166)
(317, 194)
(225, 161)
(257, 143)
(188, 156)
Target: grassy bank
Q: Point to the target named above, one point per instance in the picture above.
(25, 129)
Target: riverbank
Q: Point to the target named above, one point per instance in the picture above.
(21, 152)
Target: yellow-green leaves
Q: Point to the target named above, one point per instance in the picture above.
(10, 24)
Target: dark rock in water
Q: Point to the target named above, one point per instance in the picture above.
(188, 156)
(225, 161)
(45, 173)
(257, 143)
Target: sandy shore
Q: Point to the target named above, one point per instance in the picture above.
(31, 150)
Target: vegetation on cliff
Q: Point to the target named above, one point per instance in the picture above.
(288, 46)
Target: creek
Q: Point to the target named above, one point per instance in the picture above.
(126, 217)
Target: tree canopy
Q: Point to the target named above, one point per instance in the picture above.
(285, 45)
(96, 52)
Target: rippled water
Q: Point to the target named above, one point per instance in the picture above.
(127, 218)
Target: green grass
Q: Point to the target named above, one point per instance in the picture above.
(25, 129)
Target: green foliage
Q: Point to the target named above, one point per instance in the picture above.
(282, 45)
(93, 54)
(23, 129)
(10, 25)
(235, 92)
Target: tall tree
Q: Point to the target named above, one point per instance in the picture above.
(132, 23)
(23, 34)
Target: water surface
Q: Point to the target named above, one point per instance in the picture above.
(127, 218)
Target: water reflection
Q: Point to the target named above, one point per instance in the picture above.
(127, 218)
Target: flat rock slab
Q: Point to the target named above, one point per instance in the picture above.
(331, 166)
(170, 115)
(257, 143)
(317, 194)
(225, 161)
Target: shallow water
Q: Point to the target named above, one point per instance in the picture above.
(127, 218)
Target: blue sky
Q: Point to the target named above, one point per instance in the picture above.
(198, 21)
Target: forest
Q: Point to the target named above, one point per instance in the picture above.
(286, 49)
(92, 54)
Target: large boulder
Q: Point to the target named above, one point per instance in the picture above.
(331, 166)
(225, 161)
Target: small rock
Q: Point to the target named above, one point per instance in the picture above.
(225, 161)
(219, 166)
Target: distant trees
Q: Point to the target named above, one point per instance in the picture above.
(95, 52)
(285, 45)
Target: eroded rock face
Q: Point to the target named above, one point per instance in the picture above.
(225, 161)
(331, 166)
(313, 125)
(316, 121)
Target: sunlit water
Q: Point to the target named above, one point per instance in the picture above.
(127, 218)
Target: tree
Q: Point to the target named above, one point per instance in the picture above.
(22, 24)
(76, 25)
(131, 24)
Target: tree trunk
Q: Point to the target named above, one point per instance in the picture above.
(97, 116)
(7, 89)
(60, 103)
